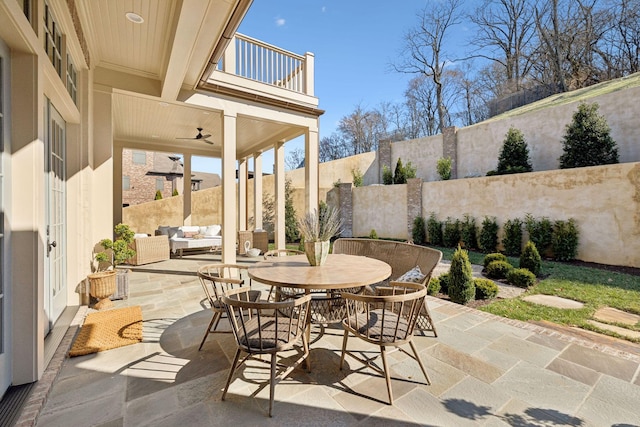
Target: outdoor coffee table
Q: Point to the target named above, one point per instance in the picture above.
(339, 272)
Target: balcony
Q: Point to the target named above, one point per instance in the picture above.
(255, 70)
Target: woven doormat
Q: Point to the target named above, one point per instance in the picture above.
(109, 329)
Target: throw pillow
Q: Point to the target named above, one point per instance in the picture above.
(163, 230)
(414, 275)
(189, 234)
(212, 230)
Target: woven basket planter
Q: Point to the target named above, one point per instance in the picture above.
(101, 286)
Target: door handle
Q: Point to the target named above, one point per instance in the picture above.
(51, 245)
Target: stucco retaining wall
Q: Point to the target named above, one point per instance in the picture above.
(603, 200)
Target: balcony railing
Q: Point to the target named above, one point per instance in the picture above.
(262, 62)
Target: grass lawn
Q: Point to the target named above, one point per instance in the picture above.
(596, 288)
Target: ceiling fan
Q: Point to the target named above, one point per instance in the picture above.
(201, 137)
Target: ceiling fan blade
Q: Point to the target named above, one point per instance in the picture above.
(208, 142)
(204, 136)
(186, 138)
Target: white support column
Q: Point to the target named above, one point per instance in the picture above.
(242, 193)
(229, 229)
(280, 236)
(311, 176)
(257, 191)
(186, 190)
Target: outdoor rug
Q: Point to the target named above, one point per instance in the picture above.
(108, 329)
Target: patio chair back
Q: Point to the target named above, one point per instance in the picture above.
(266, 327)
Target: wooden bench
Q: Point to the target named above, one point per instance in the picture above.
(402, 257)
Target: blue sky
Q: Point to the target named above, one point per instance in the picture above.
(353, 41)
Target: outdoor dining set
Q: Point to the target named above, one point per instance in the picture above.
(359, 287)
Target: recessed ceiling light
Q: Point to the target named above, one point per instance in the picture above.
(134, 17)
(206, 113)
(163, 104)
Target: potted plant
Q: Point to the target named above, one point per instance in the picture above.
(102, 283)
(316, 229)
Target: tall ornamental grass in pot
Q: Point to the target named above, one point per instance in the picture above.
(317, 228)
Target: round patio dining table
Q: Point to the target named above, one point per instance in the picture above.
(340, 271)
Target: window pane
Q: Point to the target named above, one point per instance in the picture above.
(139, 158)
(126, 185)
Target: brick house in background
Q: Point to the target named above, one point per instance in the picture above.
(145, 172)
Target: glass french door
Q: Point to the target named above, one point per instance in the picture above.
(56, 288)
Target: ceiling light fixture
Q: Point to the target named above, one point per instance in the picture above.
(163, 104)
(134, 17)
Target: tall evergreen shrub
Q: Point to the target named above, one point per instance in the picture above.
(512, 240)
(434, 230)
(418, 233)
(468, 232)
(488, 239)
(540, 231)
(398, 174)
(451, 233)
(158, 195)
(461, 287)
(514, 156)
(565, 240)
(387, 175)
(290, 224)
(587, 140)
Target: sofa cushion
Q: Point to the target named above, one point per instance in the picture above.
(190, 229)
(175, 232)
(140, 235)
(212, 230)
(163, 230)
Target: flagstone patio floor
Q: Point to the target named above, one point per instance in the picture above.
(485, 370)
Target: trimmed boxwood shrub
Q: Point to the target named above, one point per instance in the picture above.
(444, 283)
(461, 289)
(488, 240)
(485, 288)
(530, 259)
(521, 277)
(496, 256)
(468, 232)
(540, 231)
(564, 240)
(498, 269)
(434, 286)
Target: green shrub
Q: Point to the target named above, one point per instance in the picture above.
(564, 240)
(444, 168)
(419, 233)
(409, 171)
(498, 269)
(540, 231)
(468, 232)
(521, 277)
(291, 231)
(444, 283)
(461, 289)
(530, 259)
(587, 140)
(398, 175)
(158, 195)
(485, 288)
(373, 234)
(434, 286)
(495, 256)
(387, 175)
(337, 183)
(434, 230)
(451, 233)
(514, 156)
(512, 240)
(358, 178)
(488, 240)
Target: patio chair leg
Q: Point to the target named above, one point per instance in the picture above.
(344, 347)
(419, 360)
(214, 319)
(231, 371)
(383, 353)
(272, 381)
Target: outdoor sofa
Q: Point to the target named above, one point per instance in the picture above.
(192, 237)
